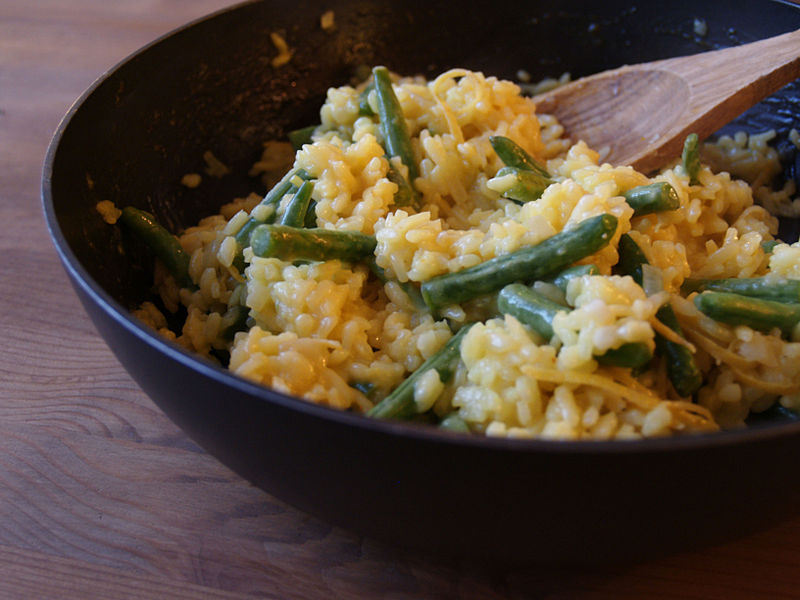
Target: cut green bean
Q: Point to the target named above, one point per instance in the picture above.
(163, 244)
(364, 107)
(236, 318)
(523, 186)
(562, 279)
(735, 309)
(365, 387)
(297, 207)
(631, 258)
(527, 264)
(393, 126)
(405, 195)
(286, 185)
(311, 215)
(410, 289)
(537, 312)
(690, 157)
(299, 137)
(453, 422)
(632, 355)
(769, 245)
(779, 289)
(400, 403)
(652, 198)
(682, 370)
(294, 243)
(529, 308)
(514, 155)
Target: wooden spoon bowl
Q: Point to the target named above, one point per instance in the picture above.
(640, 115)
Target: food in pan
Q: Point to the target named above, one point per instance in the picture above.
(436, 251)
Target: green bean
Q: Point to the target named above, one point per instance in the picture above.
(630, 354)
(769, 245)
(453, 422)
(297, 207)
(400, 403)
(273, 197)
(294, 243)
(411, 290)
(286, 185)
(735, 309)
(365, 387)
(537, 312)
(299, 137)
(405, 195)
(513, 155)
(364, 107)
(165, 245)
(779, 289)
(529, 308)
(527, 264)
(311, 215)
(682, 370)
(631, 258)
(527, 185)
(562, 279)
(236, 318)
(393, 126)
(652, 198)
(690, 157)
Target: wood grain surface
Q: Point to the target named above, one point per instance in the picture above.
(101, 496)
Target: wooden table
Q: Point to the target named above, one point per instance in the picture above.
(102, 496)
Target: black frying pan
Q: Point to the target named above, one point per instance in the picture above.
(210, 86)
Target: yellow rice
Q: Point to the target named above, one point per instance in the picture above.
(318, 329)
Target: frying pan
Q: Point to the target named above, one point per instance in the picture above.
(210, 86)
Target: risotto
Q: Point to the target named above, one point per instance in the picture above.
(439, 252)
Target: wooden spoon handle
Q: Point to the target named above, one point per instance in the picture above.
(643, 113)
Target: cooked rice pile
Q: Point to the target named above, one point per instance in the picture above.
(334, 334)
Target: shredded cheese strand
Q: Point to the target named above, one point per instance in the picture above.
(641, 400)
(452, 122)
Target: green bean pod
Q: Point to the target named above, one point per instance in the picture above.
(527, 185)
(297, 207)
(410, 289)
(400, 403)
(690, 157)
(631, 258)
(652, 198)
(537, 312)
(562, 279)
(405, 195)
(163, 244)
(682, 370)
(393, 126)
(735, 309)
(527, 264)
(514, 155)
(529, 308)
(299, 137)
(453, 422)
(364, 107)
(777, 289)
(285, 186)
(294, 243)
(236, 316)
(632, 355)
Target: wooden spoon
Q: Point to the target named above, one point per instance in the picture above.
(643, 113)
